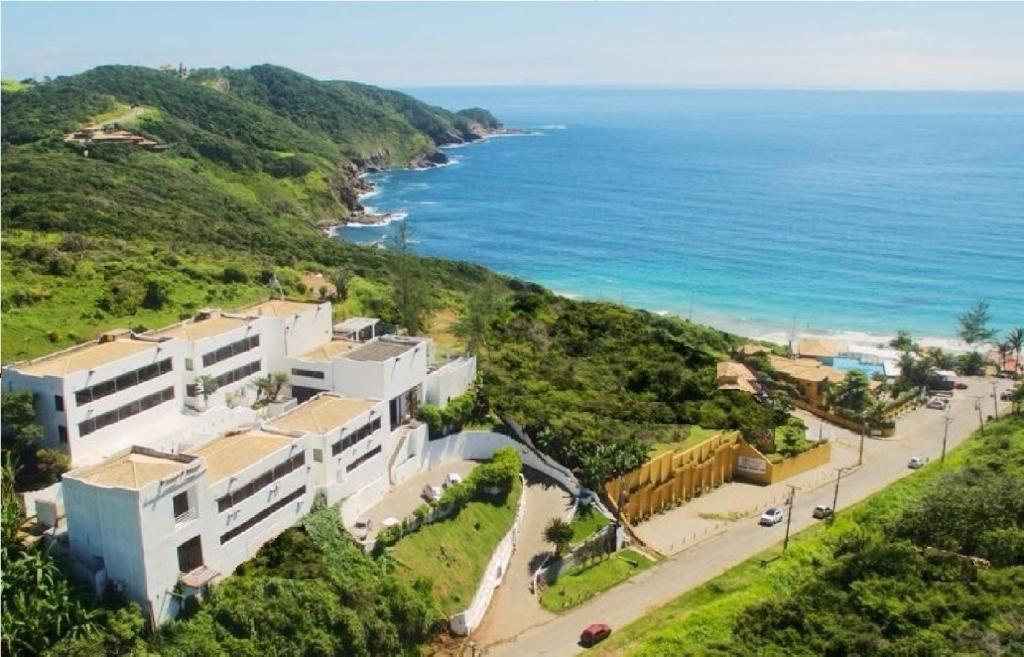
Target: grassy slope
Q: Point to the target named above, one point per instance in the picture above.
(707, 614)
(584, 582)
(454, 552)
(586, 523)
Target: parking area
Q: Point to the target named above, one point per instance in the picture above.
(400, 501)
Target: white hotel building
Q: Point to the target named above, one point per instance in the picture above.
(169, 490)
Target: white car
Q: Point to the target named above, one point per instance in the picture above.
(915, 463)
(432, 492)
(772, 516)
(938, 403)
(452, 479)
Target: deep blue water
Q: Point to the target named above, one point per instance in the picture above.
(857, 211)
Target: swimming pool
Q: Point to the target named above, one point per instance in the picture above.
(846, 364)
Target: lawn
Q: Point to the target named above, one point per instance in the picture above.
(581, 583)
(453, 553)
(694, 436)
(586, 523)
(707, 614)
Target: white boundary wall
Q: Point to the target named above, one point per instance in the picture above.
(466, 621)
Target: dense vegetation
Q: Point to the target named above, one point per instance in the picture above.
(932, 565)
(255, 160)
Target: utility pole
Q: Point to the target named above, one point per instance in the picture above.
(789, 514)
(977, 407)
(835, 495)
(995, 399)
(945, 435)
(863, 430)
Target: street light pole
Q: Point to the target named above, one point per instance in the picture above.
(835, 495)
(789, 514)
(977, 407)
(995, 399)
(945, 434)
(863, 430)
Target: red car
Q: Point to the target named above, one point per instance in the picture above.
(594, 634)
(960, 385)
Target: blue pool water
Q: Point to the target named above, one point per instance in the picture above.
(847, 364)
(761, 210)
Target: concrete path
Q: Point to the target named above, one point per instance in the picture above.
(514, 608)
(919, 433)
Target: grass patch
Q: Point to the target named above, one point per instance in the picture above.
(453, 553)
(586, 523)
(694, 436)
(707, 614)
(581, 583)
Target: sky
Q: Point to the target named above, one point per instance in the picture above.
(891, 46)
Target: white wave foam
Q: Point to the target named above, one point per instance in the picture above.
(381, 220)
(553, 126)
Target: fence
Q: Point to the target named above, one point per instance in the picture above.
(845, 422)
(753, 466)
(675, 477)
(607, 540)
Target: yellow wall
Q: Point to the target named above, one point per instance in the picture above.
(676, 477)
(776, 472)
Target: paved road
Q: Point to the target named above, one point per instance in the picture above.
(544, 500)
(919, 433)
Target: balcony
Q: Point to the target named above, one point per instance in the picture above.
(188, 516)
(197, 577)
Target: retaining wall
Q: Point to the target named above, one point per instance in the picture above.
(466, 621)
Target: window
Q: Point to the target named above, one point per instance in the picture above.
(262, 515)
(309, 374)
(355, 437)
(189, 364)
(363, 459)
(125, 412)
(318, 456)
(190, 555)
(62, 433)
(259, 483)
(58, 403)
(182, 510)
(229, 350)
(122, 382)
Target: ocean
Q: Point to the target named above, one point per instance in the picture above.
(760, 212)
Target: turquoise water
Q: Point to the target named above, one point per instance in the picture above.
(757, 211)
(847, 364)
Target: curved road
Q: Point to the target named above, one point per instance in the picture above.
(919, 433)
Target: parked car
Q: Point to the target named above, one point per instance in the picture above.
(452, 479)
(960, 385)
(362, 528)
(772, 516)
(938, 403)
(432, 492)
(594, 634)
(915, 463)
(821, 512)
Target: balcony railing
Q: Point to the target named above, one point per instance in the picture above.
(188, 516)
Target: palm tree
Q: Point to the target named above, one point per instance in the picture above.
(269, 387)
(558, 533)
(207, 386)
(1004, 349)
(1016, 340)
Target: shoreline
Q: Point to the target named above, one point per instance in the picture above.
(761, 330)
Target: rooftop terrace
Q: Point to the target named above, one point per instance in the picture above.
(383, 349)
(321, 414)
(233, 453)
(276, 308)
(328, 352)
(84, 357)
(193, 330)
(134, 468)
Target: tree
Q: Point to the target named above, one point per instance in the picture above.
(1016, 340)
(559, 533)
(269, 387)
(971, 363)
(207, 386)
(484, 304)
(21, 431)
(903, 342)
(341, 277)
(1004, 349)
(974, 324)
(855, 391)
(411, 294)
